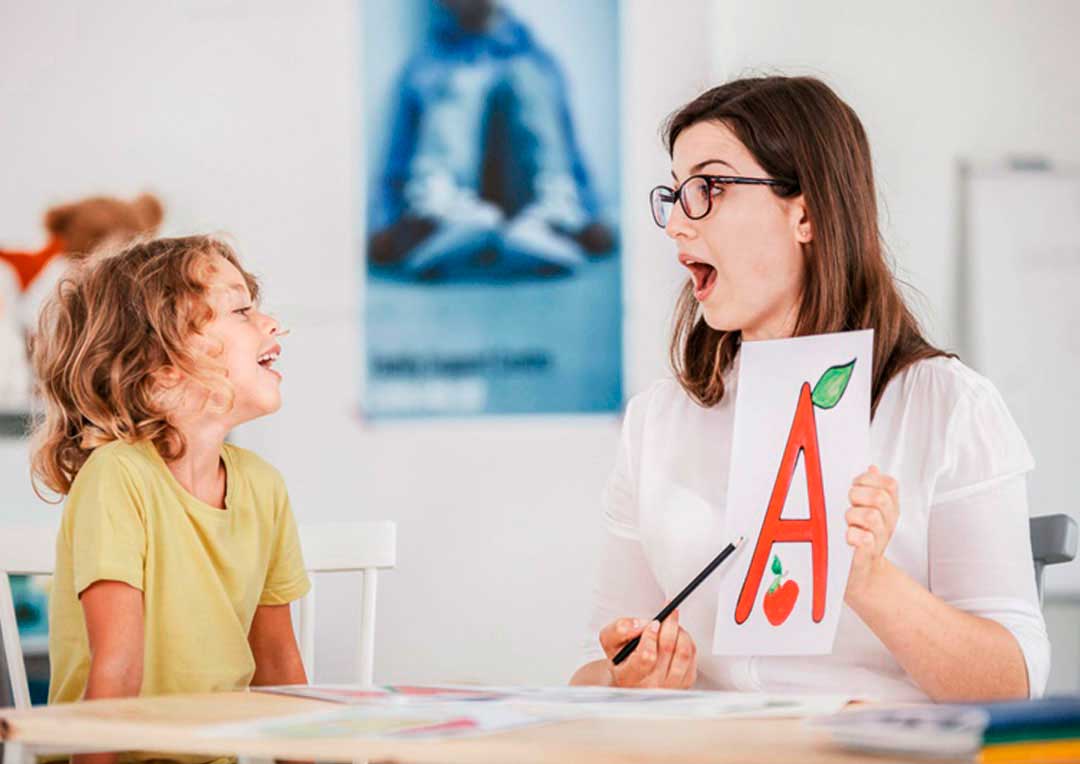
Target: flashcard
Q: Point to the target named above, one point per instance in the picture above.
(801, 435)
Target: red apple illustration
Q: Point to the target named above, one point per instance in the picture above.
(780, 599)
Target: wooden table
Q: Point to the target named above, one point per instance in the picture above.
(169, 723)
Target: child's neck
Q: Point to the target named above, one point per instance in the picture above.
(200, 470)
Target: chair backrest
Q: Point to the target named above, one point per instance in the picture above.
(327, 548)
(1053, 541)
(346, 546)
(28, 550)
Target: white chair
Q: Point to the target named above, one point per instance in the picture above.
(23, 551)
(340, 547)
(327, 548)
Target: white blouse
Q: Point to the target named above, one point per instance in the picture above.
(941, 430)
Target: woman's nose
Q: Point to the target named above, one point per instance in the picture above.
(677, 224)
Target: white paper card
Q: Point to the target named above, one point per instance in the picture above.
(801, 435)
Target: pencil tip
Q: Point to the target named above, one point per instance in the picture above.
(739, 540)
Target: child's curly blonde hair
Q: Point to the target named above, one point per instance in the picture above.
(112, 341)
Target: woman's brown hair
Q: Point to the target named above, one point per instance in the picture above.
(799, 130)
(111, 338)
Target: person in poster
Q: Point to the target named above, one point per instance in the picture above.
(483, 175)
(493, 271)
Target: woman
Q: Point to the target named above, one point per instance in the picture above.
(773, 212)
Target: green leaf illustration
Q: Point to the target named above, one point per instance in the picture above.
(830, 388)
(776, 568)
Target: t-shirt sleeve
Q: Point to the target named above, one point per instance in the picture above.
(983, 446)
(286, 578)
(980, 547)
(108, 526)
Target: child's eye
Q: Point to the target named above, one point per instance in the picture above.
(244, 311)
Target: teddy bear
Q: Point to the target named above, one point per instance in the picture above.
(27, 278)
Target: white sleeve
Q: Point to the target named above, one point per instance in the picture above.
(624, 585)
(979, 541)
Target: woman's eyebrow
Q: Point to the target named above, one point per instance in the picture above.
(702, 165)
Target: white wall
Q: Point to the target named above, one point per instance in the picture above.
(243, 116)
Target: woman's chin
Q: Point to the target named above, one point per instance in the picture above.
(719, 319)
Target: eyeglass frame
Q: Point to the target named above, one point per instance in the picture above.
(721, 180)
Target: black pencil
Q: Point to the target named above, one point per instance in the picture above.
(630, 646)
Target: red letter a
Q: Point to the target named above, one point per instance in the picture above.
(803, 437)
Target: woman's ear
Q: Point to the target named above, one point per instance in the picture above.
(800, 220)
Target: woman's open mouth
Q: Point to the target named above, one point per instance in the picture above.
(703, 274)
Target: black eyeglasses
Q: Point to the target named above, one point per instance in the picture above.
(696, 194)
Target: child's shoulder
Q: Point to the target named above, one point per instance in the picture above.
(133, 460)
(114, 472)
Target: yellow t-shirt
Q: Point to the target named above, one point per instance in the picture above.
(202, 570)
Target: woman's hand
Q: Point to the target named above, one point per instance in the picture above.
(871, 519)
(666, 656)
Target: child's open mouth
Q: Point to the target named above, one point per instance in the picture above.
(267, 359)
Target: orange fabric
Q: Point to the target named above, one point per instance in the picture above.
(29, 264)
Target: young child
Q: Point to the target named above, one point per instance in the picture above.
(178, 554)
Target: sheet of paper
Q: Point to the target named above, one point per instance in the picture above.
(563, 703)
(429, 721)
(383, 695)
(673, 704)
(801, 435)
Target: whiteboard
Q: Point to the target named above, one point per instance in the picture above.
(1020, 319)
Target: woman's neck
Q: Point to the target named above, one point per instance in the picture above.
(780, 325)
(200, 470)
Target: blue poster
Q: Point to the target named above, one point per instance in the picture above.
(491, 247)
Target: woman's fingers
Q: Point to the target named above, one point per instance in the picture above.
(666, 655)
(873, 478)
(639, 667)
(874, 511)
(618, 633)
(868, 519)
(872, 496)
(683, 669)
(859, 538)
(668, 636)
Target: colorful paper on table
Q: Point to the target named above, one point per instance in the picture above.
(801, 435)
(397, 693)
(578, 702)
(607, 703)
(433, 721)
